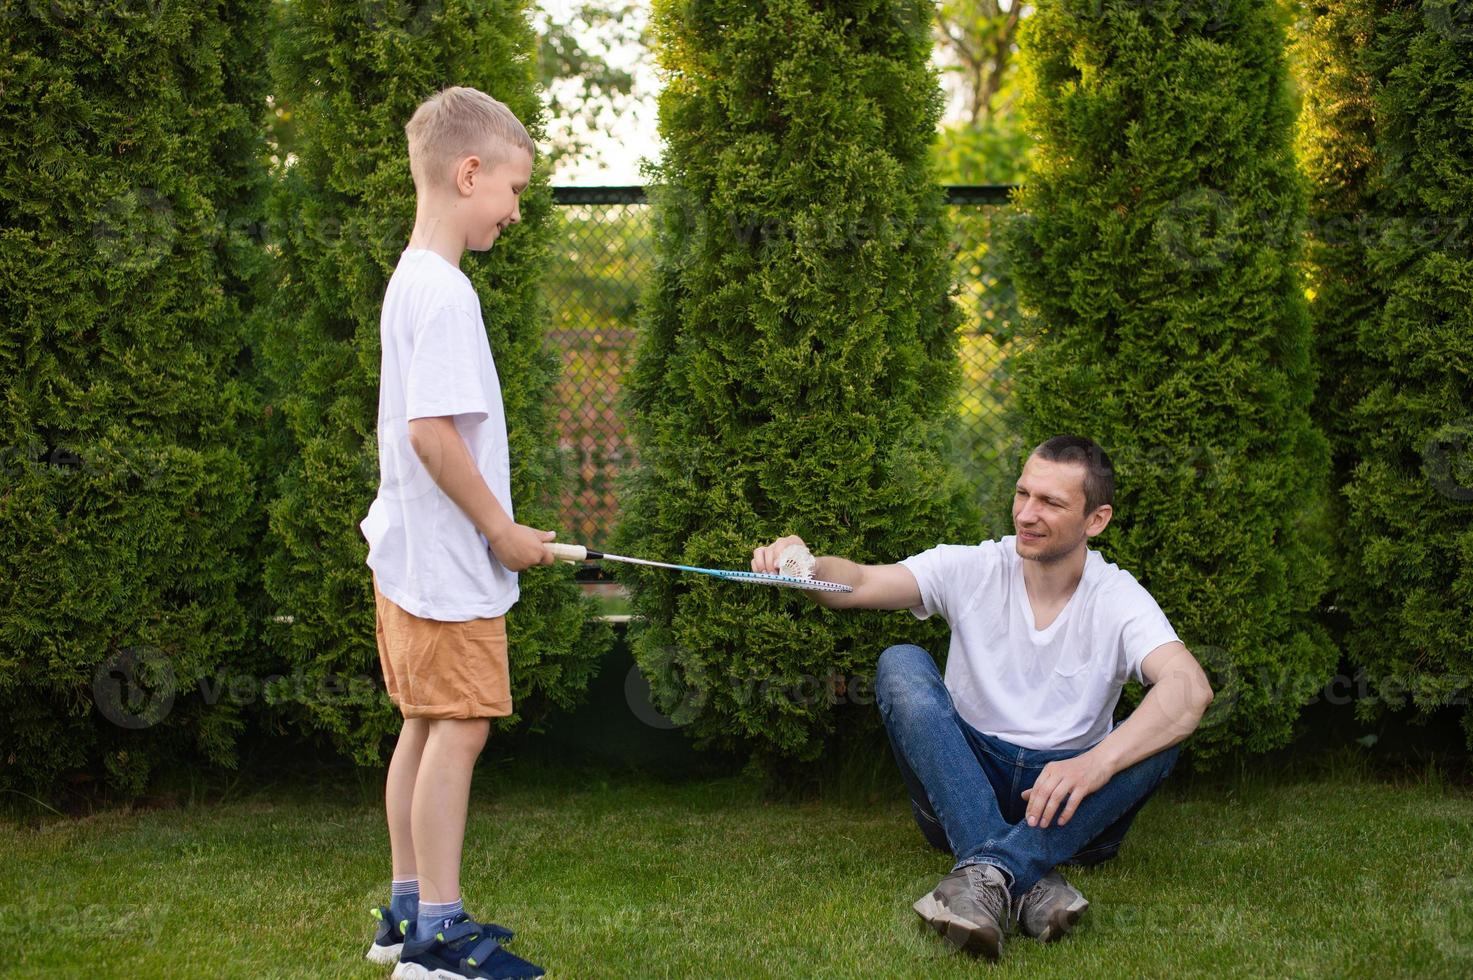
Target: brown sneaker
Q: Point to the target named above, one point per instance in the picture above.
(970, 908)
(1051, 908)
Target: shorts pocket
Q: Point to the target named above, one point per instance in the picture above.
(485, 630)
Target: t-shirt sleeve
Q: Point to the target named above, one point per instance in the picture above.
(445, 376)
(1143, 629)
(949, 575)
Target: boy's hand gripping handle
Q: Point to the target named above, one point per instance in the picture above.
(568, 552)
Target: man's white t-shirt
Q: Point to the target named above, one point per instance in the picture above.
(427, 555)
(1054, 688)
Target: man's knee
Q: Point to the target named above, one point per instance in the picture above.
(906, 679)
(1147, 775)
(1152, 771)
(1162, 763)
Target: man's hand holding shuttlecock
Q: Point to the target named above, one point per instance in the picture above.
(785, 556)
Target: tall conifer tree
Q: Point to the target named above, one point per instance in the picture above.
(129, 254)
(1157, 256)
(1409, 589)
(797, 362)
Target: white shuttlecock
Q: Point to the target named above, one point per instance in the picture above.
(796, 562)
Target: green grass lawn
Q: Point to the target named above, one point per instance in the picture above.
(622, 877)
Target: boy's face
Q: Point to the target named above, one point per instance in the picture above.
(495, 198)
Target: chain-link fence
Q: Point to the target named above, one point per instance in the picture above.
(605, 254)
(989, 439)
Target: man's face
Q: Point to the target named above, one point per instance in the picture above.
(496, 198)
(1048, 511)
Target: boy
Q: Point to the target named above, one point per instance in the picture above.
(442, 543)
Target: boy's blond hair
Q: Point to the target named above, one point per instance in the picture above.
(458, 122)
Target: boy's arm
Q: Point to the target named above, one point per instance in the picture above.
(875, 586)
(445, 455)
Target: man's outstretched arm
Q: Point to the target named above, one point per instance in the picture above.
(1170, 711)
(875, 586)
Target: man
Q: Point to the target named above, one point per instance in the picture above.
(1012, 762)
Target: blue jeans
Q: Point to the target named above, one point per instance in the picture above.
(966, 787)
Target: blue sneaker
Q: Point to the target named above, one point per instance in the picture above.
(388, 942)
(389, 939)
(462, 949)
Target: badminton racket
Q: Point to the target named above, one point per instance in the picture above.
(577, 553)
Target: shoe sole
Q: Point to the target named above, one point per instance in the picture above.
(970, 937)
(1063, 920)
(384, 955)
(413, 971)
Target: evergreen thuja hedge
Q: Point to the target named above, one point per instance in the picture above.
(129, 253)
(1409, 593)
(1157, 259)
(353, 74)
(796, 366)
(1336, 151)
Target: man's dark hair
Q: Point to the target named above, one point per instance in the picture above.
(1099, 472)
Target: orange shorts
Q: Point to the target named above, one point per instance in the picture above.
(435, 669)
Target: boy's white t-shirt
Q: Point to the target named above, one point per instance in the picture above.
(426, 554)
(1054, 688)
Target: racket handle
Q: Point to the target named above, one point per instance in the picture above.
(568, 552)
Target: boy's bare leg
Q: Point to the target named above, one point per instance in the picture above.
(441, 796)
(399, 794)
